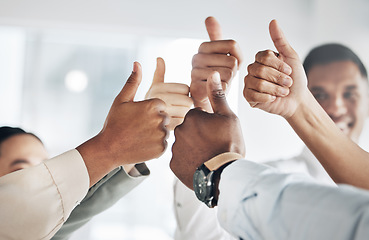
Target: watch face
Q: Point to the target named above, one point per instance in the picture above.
(200, 185)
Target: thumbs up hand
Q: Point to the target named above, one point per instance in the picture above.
(175, 95)
(204, 135)
(276, 82)
(133, 131)
(223, 56)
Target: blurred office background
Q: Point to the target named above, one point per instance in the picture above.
(63, 62)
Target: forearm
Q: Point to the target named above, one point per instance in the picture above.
(344, 160)
(256, 202)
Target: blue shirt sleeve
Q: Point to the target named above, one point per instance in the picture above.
(257, 202)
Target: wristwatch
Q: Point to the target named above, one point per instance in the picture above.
(205, 176)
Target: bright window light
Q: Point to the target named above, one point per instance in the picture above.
(76, 81)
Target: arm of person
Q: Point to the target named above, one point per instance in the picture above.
(194, 219)
(112, 187)
(104, 194)
(38, 200)
(268, 86)
(256, 202)
(35, 202)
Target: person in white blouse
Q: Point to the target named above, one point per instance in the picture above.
(37, 197)
(338, 80)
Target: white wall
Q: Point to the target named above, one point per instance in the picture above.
(306, 23)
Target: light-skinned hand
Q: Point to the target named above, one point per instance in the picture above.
(223, 56)
(175, 95)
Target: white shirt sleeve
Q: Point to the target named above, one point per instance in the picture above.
(255, 202)
(35, 202)
(194, 219)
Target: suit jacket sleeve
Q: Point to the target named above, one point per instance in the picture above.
(35, 202)
(100, 197)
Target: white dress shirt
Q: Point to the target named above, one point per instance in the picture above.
(196, 221)
(35, 202)
(256, 202)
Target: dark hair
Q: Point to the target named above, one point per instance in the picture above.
(332, 52)
(7, 132)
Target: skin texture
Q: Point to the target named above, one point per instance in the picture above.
(133, 132)
(343, 93)
(223, 56)
(343, 160)
(175, 95)
(20, 151)
(204, 135)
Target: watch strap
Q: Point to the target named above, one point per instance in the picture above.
(221, 159)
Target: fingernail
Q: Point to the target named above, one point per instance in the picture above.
(216, 78)
(287, 69)
(135, 67)
(284, 91)
(287, 82)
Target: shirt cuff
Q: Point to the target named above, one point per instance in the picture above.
(71, 178)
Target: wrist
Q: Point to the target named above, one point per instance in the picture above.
(96, 159)
(307, 112)
(217, 177)
(303, 107)
(206, 177)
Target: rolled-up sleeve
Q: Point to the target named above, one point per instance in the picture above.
(256, 202)
(35, 202)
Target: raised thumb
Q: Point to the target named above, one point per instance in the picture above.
(159, 71)
(280, 41)
(130, 88)
(213, 28)
(216, 95)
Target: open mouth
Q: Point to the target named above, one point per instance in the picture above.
(344, 126)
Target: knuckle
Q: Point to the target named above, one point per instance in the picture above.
(249, 95)
(203, 45)
(248, 80)
(228, 74)
(232, 44)
(195, 73)
(260, 85)
(269, 53)
(259, 55)
(250, 68)
(260, 71)
(233, 62)
(155, 103)
(195, 59)
(262, 54)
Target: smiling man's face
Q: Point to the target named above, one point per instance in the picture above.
(343, 93)
(20, 151)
